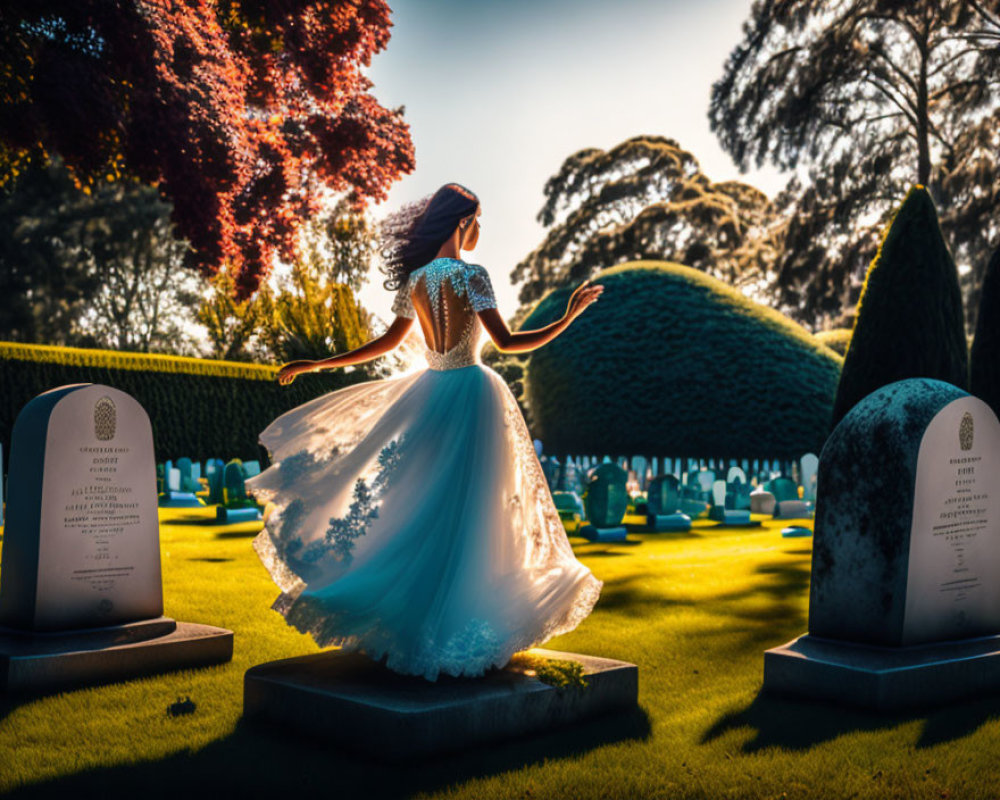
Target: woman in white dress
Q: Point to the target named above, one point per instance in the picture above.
(411, 520)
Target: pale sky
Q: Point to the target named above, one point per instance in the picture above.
(499, 94)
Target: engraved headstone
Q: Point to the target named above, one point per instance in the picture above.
(81, 547)
(904, 602)
(80, 565)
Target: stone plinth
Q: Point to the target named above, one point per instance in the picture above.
(32, 661)
(883, 678)
(354, 702)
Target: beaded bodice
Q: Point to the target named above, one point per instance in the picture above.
(446, 295)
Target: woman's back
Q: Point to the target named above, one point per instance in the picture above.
(445, 295)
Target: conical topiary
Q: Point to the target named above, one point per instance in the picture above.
(984, 367)
(909, 322)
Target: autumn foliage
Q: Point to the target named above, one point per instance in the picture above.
(242, 111)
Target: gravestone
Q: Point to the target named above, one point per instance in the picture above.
(237, 506)
(786, 495)
(568, 480)
(215, 473)
(663, 500)
(722, 510)
(175, 495)
(570, 508)
(762, 501)
(641, 467)
(606, 502)
(809, 465)
(550, 468)
(80, 592)
(904, 605)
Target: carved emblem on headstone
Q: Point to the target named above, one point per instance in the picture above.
(965, 430)
(104, 419)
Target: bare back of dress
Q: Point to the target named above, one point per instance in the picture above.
(445, 296)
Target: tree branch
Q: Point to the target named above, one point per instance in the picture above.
(910, 113)
(957, 85)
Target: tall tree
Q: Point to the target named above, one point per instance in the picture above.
(984, 360)
(308, 309)
(145, 300)
(646, 199)
(45, 288)
(868, 97)
(240, 111)
(97, 268)
(909, 322)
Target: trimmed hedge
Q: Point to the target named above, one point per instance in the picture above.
(984, 362)
(909, 322)
(198, 407)
(671, 361)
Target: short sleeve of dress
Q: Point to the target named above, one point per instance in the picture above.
(402, 306)
(480, 289)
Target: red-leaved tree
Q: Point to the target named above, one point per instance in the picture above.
(241, 111)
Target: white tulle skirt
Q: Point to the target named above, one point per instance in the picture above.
(411, 520)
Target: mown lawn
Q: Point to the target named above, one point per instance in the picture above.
(694, 611)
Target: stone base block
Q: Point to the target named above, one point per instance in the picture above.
(791, 509)
(616, 534)
(227, 516)
(43, 661)
(884, 678)
(732, 518)
(356, 703)
(668, 523)
(693, 508)
(762, 503)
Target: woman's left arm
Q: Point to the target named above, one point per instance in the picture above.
(378, 346)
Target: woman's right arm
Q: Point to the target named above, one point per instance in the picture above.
(507, 341)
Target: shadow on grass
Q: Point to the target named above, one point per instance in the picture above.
(212, 560)
(237, 534)
(796, 724)
(261, 760)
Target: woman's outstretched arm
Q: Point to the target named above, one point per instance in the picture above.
(378, 346)
(507, 341)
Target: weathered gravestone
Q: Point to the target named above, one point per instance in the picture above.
(663, 502)
(904, 605)
(606, 502)
(80, 592)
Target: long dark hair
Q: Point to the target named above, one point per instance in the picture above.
(412, 236)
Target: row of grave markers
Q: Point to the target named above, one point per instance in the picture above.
(570, 473)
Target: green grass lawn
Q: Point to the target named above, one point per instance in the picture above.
(694, 611)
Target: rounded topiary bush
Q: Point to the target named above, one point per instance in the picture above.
(671, 361)
(837, 339)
